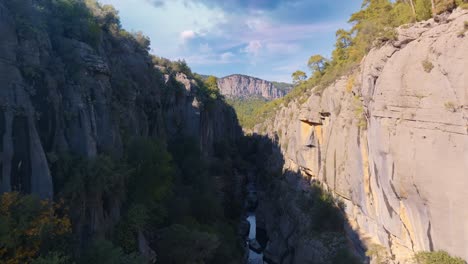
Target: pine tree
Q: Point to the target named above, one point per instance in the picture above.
(298, 77)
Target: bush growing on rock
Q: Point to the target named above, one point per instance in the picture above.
(462, 3)
(54, 258)
(345, 256)
(142, 40)
(103, 251)
(464, 29)
(450, 106)
(322, 209)
(378, 253)
(179, 245)
(427, 65)
(437, 257)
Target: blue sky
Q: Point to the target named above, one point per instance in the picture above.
(269, 39)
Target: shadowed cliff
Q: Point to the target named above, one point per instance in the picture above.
(128, 152)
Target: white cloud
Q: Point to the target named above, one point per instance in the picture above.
(227, 56)
(213, 39)
(187, 35)
(253, 48)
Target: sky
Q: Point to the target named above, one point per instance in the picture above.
(268, 39)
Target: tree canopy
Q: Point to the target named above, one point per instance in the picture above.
(298, 77)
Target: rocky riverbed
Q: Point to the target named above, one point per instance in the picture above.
(255, 248)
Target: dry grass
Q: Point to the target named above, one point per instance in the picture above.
(350, 84)
(450, 106)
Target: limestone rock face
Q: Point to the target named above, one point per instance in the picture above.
(241, 86)
(394, 148)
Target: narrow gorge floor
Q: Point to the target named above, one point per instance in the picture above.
(255, 255)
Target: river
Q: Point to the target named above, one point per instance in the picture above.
(254, 257)
(255, 250)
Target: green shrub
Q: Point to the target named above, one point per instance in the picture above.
(54, 258)
(462, 3)
(179, 245)
(142, 40)
(344, 256)
(378, 253)
(181, 66)
(463, 31)
(443, 6)
(151, 180)
(209, 90)
(103, 251)
(403, 13)
(125, 34)
(437, 257)
(80, 180)
(427, 65)
(94, 33)
(423, 9)
(322, 209)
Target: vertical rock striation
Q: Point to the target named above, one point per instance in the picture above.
(241, 86)
(391, 141)
(61, 93)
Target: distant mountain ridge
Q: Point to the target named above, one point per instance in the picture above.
(243, 86)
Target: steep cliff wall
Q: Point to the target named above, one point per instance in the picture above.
(391, 141)
(63, 95)
(241, 86)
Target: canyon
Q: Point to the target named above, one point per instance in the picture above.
(376, 161)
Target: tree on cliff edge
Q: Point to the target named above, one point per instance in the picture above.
(298, 77)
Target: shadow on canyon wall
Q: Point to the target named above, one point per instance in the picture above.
(297, 221)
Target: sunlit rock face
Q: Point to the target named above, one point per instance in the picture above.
(241, 86)
(391, 141)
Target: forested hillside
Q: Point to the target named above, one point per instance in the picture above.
(246, 94)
